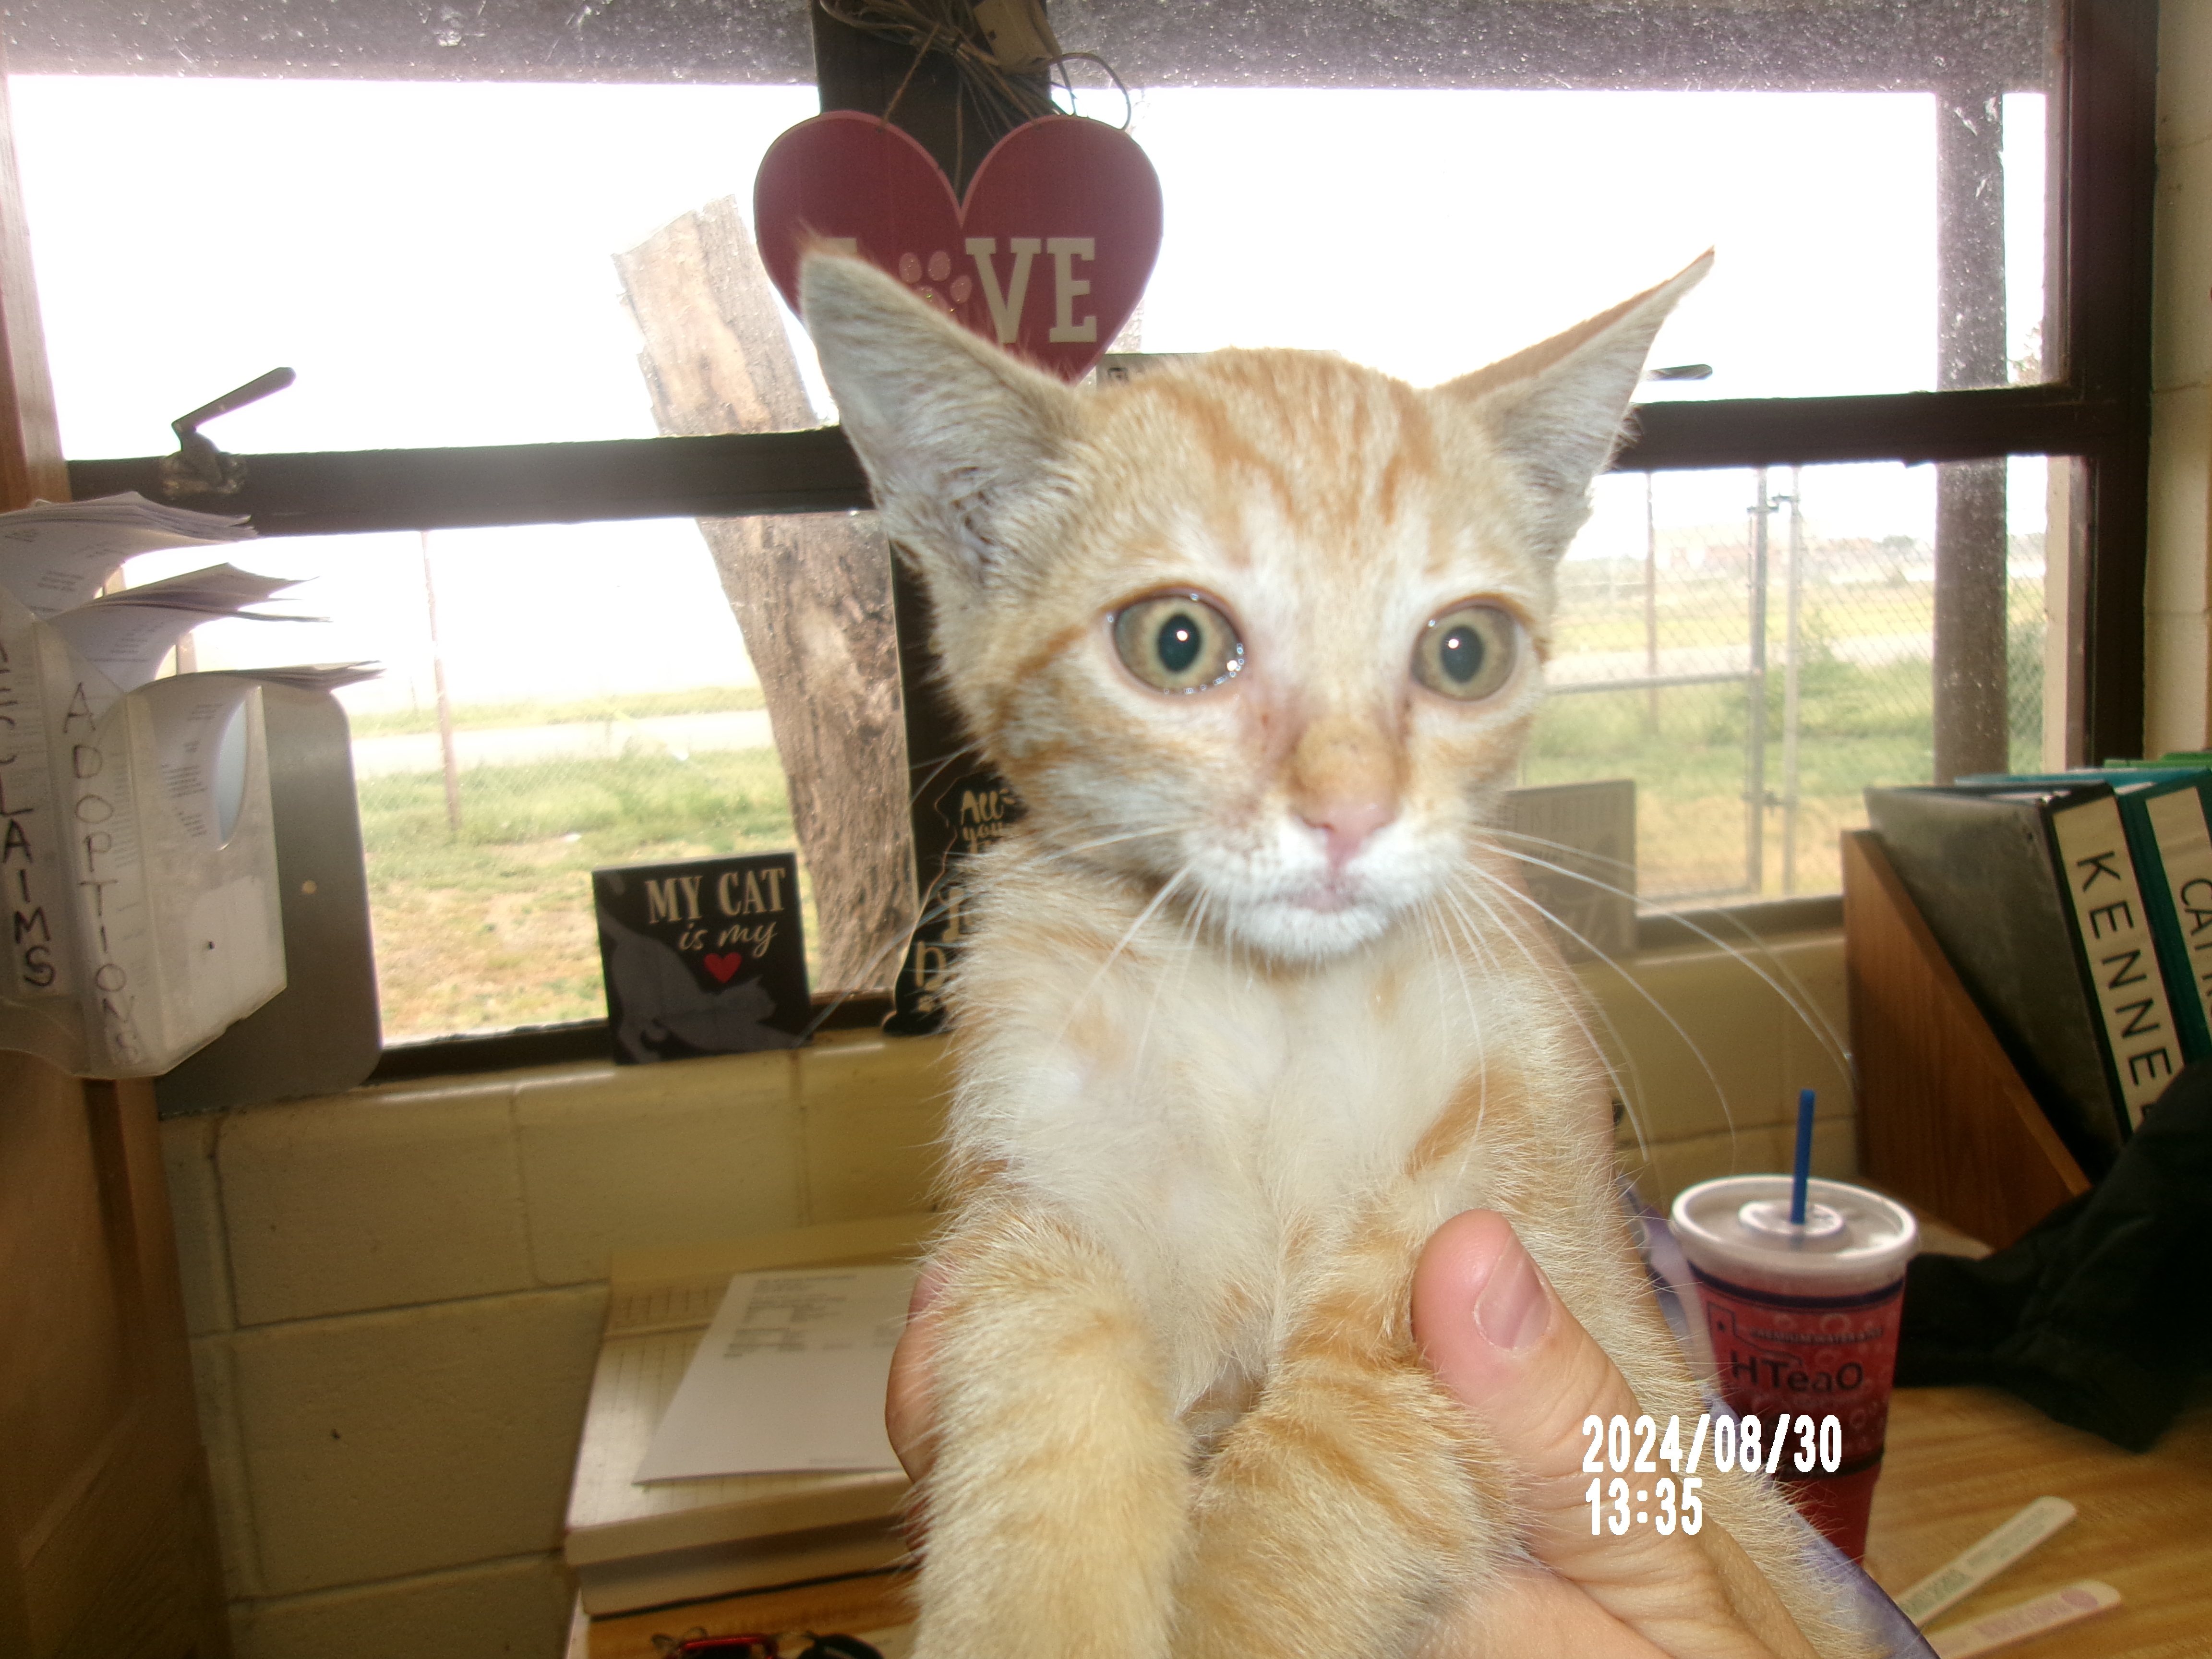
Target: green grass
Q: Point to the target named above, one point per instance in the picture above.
(1857, 727)
(582, 711)
(731, 800)
(493, 926)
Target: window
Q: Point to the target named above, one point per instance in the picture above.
(1934, 224)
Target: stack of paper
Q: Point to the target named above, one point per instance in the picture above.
(126, 635)
(790, 1376)
(314, 676)
(822, 1497)
(54, 556)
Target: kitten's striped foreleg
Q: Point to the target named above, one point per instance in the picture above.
(1059, 1504)
(1352, 1508)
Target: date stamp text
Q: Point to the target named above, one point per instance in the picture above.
(1794, 1443)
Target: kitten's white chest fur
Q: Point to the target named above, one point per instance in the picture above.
(1221, 1128)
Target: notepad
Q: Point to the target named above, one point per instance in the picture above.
(790, 1376)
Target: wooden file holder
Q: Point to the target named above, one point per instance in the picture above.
(1945, 1122)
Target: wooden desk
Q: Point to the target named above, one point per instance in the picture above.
(859, 1605)
(1961, 1461)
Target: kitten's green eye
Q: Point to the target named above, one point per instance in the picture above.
(1177, 642)
(1466, 653)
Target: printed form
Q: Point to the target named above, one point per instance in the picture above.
(790, 1376)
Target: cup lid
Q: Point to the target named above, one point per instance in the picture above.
(1743, 1221)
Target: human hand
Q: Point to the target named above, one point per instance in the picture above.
(1503, 1345)
(1506, 1348)
(906, 1415)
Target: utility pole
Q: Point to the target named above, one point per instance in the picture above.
(446, 748)
(1650, 607)
(1792, 644)
(1754, 740)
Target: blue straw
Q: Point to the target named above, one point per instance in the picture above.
(1804, 1167)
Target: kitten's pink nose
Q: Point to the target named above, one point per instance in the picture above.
(1345, 825)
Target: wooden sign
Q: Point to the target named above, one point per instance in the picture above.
(702, 957)
(1048, 255)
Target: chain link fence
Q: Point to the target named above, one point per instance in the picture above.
(1754, 648)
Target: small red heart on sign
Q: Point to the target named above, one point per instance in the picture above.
(722, 967)
(1048, 255)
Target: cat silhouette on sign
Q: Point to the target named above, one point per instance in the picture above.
(656, 1003)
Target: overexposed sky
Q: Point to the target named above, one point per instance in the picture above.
(435, 260)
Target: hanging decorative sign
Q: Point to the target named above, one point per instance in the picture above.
(1047, 254)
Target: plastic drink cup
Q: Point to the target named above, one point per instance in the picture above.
(1803, 1319)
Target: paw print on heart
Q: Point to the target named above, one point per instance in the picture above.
(911, 270)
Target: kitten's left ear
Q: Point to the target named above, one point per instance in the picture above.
(1556, 410)
(959, 439)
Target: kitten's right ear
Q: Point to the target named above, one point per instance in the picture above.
(1556, 411)
(960, 441)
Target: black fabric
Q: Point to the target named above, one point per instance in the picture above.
(2101, 1314)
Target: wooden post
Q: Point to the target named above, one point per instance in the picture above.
(811, 592)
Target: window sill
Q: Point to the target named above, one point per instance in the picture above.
(587, 1039)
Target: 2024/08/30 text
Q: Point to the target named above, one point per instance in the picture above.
(1820, 1446)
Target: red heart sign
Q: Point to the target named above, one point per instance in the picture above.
(722, 967)
(1048, 255)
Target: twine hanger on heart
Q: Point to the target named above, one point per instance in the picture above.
(1045, 254)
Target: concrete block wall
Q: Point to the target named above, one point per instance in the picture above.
(2178, 591)
(395, 1297)
(395, 1294)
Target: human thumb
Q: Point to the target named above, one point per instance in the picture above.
(1501, 1342)
(1504, 1345)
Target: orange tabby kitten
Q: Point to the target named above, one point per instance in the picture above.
(1252, 1008)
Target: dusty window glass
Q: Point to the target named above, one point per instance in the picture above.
(1422, 187)
(437, 202)
(435, 260)
(558, 698)
(599, 709)
(1430, 233)
(614, 692)
(1755, 668)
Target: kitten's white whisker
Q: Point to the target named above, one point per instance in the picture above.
(1476, 944)
(896, 946)
(967, 751)
(1806, 1007)
(1627, 1090)
(978, 879)
(1574, 1007)
(1793, 996)
(1187, 949)
(1047, 850)
(1120, 944)
(1432, 919)
(1720, 1095)
(1626, 866)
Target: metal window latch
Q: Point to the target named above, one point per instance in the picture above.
(199, 468)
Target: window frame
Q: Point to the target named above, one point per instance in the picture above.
(2093, 412)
